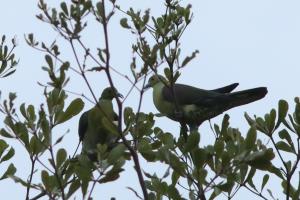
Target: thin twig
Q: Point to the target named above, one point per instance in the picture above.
(33, 159)
(254, 192)
(93, 187)
(58, 178)
(138, 110)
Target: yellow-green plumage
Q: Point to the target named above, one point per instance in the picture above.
(196, 105)
(96, 126)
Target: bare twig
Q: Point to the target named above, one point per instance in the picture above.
(33, 159)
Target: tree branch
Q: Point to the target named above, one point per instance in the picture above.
(119, 103)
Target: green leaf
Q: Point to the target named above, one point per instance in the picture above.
(112, 175)
(284, 134)
(73, 109)
(283, 107)
(83, 171)
(296, 114)
(215, 193)
(124, 23)
(261, 159)
(175, 177)
(36, 145)
(11, 170)
(49, 61)
(167, 73)
(23, 110)
(100, 9)
(250, 121)
(22, 132)
(264, 182)
(270, 193)
(45, 178)
(59, 140)
(31, 113)
(176, 164)
(201, 176)
(3, 146)
(9, 73)
(219, 147)
(64, 8)
(4, 133)
(243, 172)
(251, 138)
(166, 156)
(226, 159)
(250, 182)
(19, 180)
(116, 153)
(61, 157)
(145, 148)
(226, 187)
(281, 145)
(128, 116)
(173, 193)
(277, 172)
(144, 145)
(261, 125)
(150, 156)
(189, 58)
(167, 139)
(250, 175)
(270, 121)
(192, 141)
(8, 155)
(75, 185)
(225, 124)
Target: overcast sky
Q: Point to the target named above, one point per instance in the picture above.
(255, 43)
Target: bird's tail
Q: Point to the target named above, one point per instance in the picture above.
(246, 96)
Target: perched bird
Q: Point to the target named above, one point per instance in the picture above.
(192, 106)
(97, 125)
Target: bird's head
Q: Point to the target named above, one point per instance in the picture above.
(153, 80)
(109, 93)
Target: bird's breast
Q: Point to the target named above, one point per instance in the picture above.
(168, 108)
(163, 106)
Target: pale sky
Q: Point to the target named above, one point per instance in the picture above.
(255, 43)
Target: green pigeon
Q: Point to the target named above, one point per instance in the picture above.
(99, 124)
(197, 105)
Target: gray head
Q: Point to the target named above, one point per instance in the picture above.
(153, 80)
(109, 93)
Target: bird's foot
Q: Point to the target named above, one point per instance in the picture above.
(159, 115)
(183, 131)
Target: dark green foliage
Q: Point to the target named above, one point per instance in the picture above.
(8, 61)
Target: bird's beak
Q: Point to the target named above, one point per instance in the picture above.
(120, 95)
(147, 86)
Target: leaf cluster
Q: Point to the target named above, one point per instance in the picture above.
(8, 61)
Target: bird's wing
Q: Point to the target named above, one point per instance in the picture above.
(226, 89)
(186, 95)
(83, 125)
(109, 120)
(115, 117)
